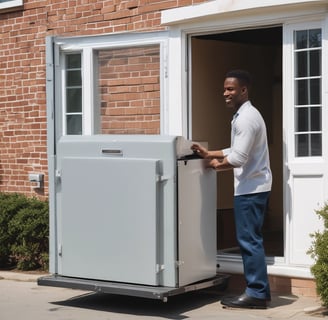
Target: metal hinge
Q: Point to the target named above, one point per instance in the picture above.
(58, 176)
(60, 250)
(159, 268)
(163, 178)
(179, 263)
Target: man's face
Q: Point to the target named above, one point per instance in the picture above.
(234, 94)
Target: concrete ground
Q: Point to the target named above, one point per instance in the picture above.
(22, 298)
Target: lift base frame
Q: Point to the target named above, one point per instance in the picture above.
(151, 292)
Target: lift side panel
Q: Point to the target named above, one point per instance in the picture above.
(109, 219)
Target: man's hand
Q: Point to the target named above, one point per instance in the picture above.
(214, 163)
(200, 150)
(220, 164)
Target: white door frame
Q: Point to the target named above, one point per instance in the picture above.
(220, 16)
(302, 172)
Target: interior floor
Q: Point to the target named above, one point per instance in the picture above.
(226, 236)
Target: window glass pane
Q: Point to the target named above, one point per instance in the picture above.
(315, 38)
(73, 100)
(301, 39)
(73, 78)
(315, 119)
(73, 61)
(308, 91)
(316, 145)
(315, 63)
(302, 92)
(129, 89)
(73, 90)
(301, 120)
(306, 87)
(74, 124)
(301, 64)
(302, 145)
(315, 91)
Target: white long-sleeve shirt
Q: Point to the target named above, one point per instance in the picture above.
(249, 153)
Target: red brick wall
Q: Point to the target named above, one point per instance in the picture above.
(130, 90)
(22, 98)
(22, 71)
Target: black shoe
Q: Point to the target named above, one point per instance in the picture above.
(244, 301)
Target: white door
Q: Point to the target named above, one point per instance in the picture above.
(305, 131)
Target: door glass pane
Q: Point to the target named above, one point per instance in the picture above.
(129, 90)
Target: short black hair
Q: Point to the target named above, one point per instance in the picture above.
(243, 76)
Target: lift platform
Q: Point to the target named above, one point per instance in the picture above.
(151, 292)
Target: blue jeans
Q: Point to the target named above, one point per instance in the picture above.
(249, 212)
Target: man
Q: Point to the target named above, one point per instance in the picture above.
(248, 156)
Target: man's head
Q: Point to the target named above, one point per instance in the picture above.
(236, 87)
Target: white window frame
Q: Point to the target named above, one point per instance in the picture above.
(88, 46)
(63, 90)
(9, 4)
(289, 86)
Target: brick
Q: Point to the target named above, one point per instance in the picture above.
(108, 9)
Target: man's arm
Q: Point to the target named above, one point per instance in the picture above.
(220, 164)
(218, 159)
(206, 154)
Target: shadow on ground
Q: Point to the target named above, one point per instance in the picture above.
(174, 309)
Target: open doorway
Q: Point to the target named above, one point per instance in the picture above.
(260, 52)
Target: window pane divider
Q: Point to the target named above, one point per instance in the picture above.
(308, 78)
(308, 49)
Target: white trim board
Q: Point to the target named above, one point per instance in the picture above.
(212, 9)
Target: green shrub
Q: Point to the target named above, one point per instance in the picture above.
(10, 204)
(319, 252)
(24, 230)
